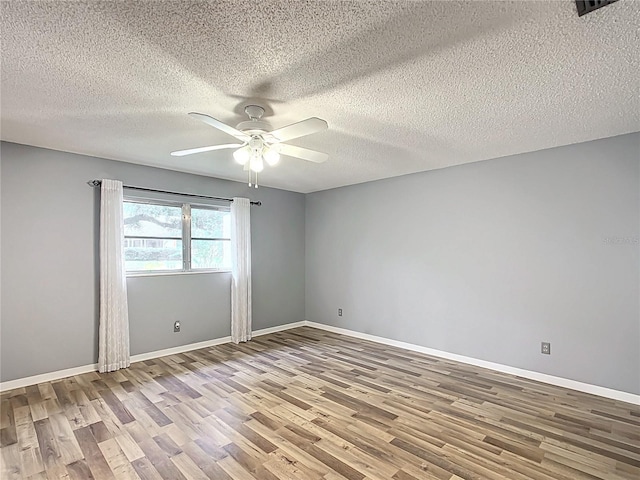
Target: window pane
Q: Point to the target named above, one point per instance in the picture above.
(151, 254)
(211, 254)
(210, 223)
(141, 219)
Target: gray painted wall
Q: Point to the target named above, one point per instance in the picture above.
(49, 239)
(484, 260)
(489, 259)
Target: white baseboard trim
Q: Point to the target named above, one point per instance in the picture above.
(210, 343)
(70, 372)
(140, 357)
(46, 377)
(541, 377)
(279, 328)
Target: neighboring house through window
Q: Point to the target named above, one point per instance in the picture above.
(176, 237)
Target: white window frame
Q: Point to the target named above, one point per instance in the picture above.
(186, 237)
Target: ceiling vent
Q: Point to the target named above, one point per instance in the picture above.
(587, 6)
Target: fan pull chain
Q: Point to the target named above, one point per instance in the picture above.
(255, 183)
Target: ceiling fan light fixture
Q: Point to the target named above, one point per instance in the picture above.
(259, 143)
(256, 144)
(256, 164)
(271, 156)
(242, 155)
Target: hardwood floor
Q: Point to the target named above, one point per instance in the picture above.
(308, 404)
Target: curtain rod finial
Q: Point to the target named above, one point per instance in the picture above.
(94, 183)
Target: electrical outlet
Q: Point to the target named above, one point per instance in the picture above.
(176, 327)
(546, 348)
(339, 312)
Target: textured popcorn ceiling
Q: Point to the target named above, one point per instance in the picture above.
(405, 86)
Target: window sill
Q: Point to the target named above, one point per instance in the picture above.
(163, 274)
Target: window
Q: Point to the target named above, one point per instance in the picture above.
(167, 237)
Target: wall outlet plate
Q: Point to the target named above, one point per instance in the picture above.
(545, 348)
(339, 312)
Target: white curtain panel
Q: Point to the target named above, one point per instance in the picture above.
(114, 312)
(240, 270)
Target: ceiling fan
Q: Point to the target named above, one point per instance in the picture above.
(260, 143)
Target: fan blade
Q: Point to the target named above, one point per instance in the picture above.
(182, 153)
(303, 153)
(234, 132)
(299, 129)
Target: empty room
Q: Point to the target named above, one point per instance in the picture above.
(320, 240)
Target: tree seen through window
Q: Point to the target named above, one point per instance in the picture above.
(156, 234)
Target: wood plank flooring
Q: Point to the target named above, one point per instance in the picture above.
(312, 405)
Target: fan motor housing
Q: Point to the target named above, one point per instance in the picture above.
(254, 126)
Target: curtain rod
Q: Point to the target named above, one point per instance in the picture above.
(97, 183)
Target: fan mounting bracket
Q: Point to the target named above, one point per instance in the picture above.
(254, 112)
